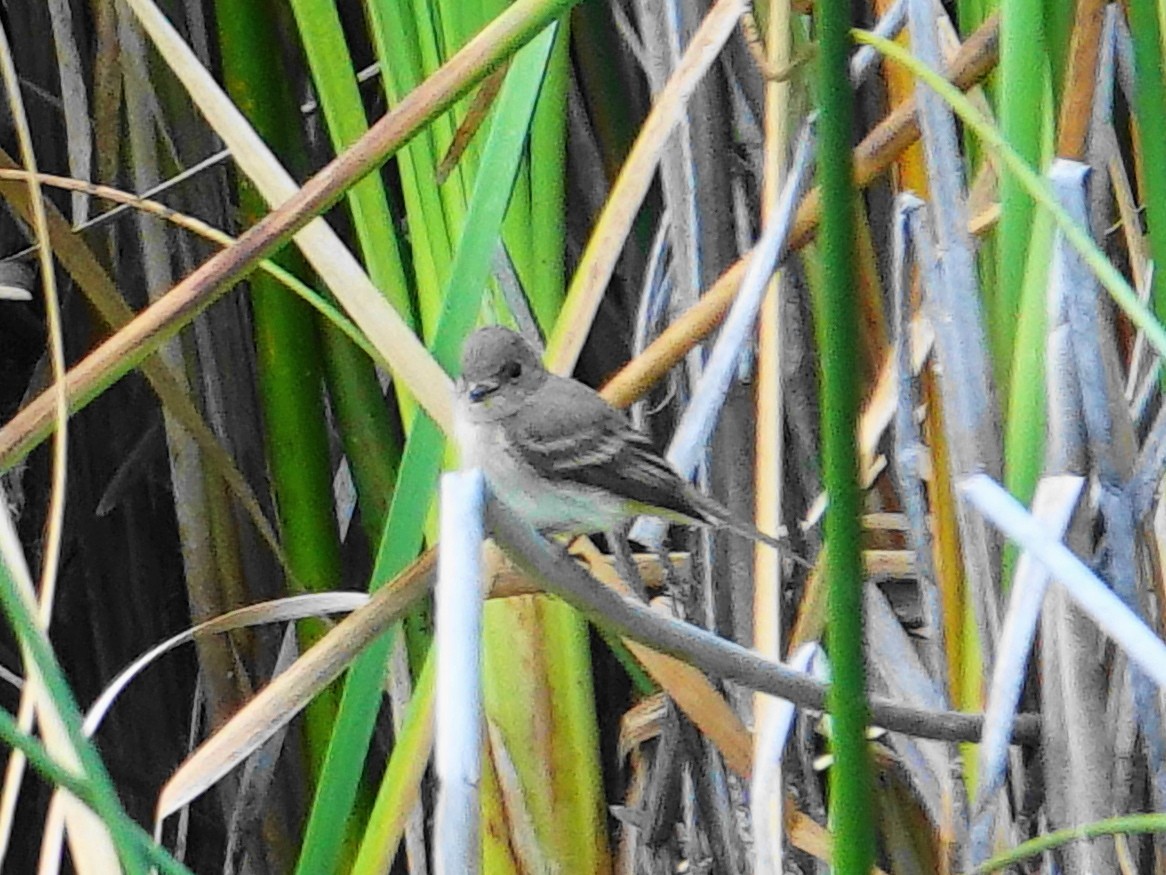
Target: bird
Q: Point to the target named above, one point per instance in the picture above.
(559, 455)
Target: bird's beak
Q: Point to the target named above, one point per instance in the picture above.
(481, 389)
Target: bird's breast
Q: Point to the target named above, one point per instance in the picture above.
(547, 504)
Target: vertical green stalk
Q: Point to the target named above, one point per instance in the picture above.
(1058, 25)
(334, 76)
(370, 434)
(837, 328)
(970, 14)
(289, 368)
(1150, 102)
(401, 45)
(369, 431)
(1022, 93)
(1024, 425)
(548, 180)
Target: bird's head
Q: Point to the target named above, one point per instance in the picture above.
(499, 371)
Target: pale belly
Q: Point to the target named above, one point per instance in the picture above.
(568, 508)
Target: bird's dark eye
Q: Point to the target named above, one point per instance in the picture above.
(511, 371)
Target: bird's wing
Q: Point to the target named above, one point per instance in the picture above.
(589, 442)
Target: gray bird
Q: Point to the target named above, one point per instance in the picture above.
(559, 455)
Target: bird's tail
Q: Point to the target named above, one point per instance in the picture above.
(713, 513)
